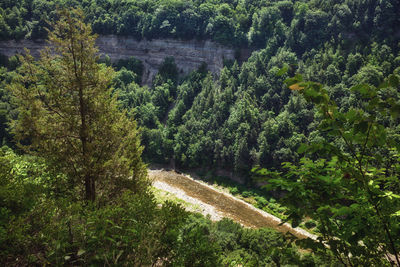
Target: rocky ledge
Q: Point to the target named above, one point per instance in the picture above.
(189, 55)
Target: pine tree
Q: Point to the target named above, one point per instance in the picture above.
(67, 113)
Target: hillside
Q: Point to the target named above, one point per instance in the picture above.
(312, 114)
(247, 117)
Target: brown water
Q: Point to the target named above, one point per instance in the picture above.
(228, 205)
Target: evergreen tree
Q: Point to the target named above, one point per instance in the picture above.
(67, 113)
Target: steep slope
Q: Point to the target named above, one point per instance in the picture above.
(188, 55)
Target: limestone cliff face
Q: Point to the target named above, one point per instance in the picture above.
(189, 55)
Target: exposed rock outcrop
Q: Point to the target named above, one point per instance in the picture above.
(189, 55)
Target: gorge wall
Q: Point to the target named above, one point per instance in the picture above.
(189, 55)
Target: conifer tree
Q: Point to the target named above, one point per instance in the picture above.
(67, 113)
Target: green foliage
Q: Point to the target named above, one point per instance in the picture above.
(349, 186)
(39, 227)
(130, 230)
(196, 240)
(18, 192)
(131, 64)
(7, 109)
(232, 245)
(67, 113)
(233, 190)
(310, 224)
(167, 71)
(304, 24)
(245, 117)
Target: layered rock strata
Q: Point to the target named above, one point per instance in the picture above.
(189, 55)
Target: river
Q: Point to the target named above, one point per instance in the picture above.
(220, 204)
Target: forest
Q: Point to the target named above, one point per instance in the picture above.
(314, 112)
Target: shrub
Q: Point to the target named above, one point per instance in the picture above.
(234, 190)
(310, 224)
(261, 202)
(247, 194)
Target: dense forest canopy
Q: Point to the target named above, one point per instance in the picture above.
(245, 117)
(303, 24)
(248, 117)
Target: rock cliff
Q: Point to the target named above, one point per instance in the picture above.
(189, 55)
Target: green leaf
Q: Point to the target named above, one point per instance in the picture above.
(296, 79)
(361, 127)
(390, 195)
(302, 148)
(394, 80)
(80, 252)
(365, 90)
(397, 213)
(395, 110)
(361, 88)
(343, 211)
(110, 239)
(351, 115)
(283, 70)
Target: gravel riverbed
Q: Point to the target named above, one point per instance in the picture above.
(219, 204)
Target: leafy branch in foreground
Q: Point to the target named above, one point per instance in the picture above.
(349, 181)
(67, 113)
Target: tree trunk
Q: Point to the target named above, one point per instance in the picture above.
(90, 193)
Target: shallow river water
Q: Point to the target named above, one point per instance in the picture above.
(219, 204)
